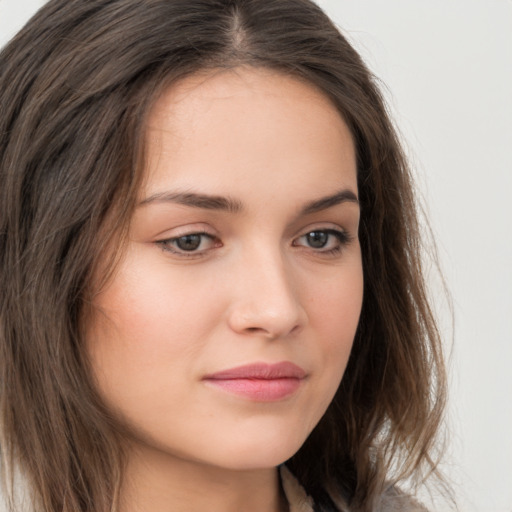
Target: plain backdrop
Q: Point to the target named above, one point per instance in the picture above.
(446, 66)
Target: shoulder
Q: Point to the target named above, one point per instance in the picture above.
(393, 500)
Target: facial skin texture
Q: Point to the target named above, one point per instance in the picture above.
(256, 289)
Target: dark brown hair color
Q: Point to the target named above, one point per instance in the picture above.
(75, 87)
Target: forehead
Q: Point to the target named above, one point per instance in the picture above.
(229, 127)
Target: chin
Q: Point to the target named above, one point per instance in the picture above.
(258, 452)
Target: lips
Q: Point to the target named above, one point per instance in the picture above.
(260, 381)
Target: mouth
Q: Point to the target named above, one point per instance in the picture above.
(260, 382)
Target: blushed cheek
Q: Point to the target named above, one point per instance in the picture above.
(142, 326)
(340, 312)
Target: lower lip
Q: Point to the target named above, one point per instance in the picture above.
(259, 390)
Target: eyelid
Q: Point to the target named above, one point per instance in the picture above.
(189, 228)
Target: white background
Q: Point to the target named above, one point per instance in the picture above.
(447, 65)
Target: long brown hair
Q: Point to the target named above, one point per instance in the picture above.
(75, 86)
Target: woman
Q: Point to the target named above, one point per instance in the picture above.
(210, 265)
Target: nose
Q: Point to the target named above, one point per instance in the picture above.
(265, 298)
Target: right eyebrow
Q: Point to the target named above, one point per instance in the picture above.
(206, 201)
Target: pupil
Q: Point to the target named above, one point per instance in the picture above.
(189, 242)
(317, 239)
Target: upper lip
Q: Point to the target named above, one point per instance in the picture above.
(263, 371)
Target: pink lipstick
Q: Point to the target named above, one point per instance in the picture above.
(260, 382)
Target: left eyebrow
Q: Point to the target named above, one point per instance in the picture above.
(324, 203)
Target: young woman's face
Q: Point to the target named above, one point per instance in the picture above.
(224, 334)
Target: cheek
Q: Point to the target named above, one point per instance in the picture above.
(334, 311)
(144, 333)
(335, 307)
(147, 304)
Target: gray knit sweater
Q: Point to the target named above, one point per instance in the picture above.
(299, 501)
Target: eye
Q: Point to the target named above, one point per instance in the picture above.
(327, 241)
(189, 244)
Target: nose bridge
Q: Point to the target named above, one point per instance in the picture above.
(266, 299)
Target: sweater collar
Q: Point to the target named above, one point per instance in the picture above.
(298, 500)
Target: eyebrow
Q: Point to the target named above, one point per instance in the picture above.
(222, 203)
(343, 196)
(208, 202)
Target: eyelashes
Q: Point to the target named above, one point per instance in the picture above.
(190, 244)
(324, 242)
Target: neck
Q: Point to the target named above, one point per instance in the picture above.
(161, 483)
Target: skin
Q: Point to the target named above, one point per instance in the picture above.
(255, 289)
